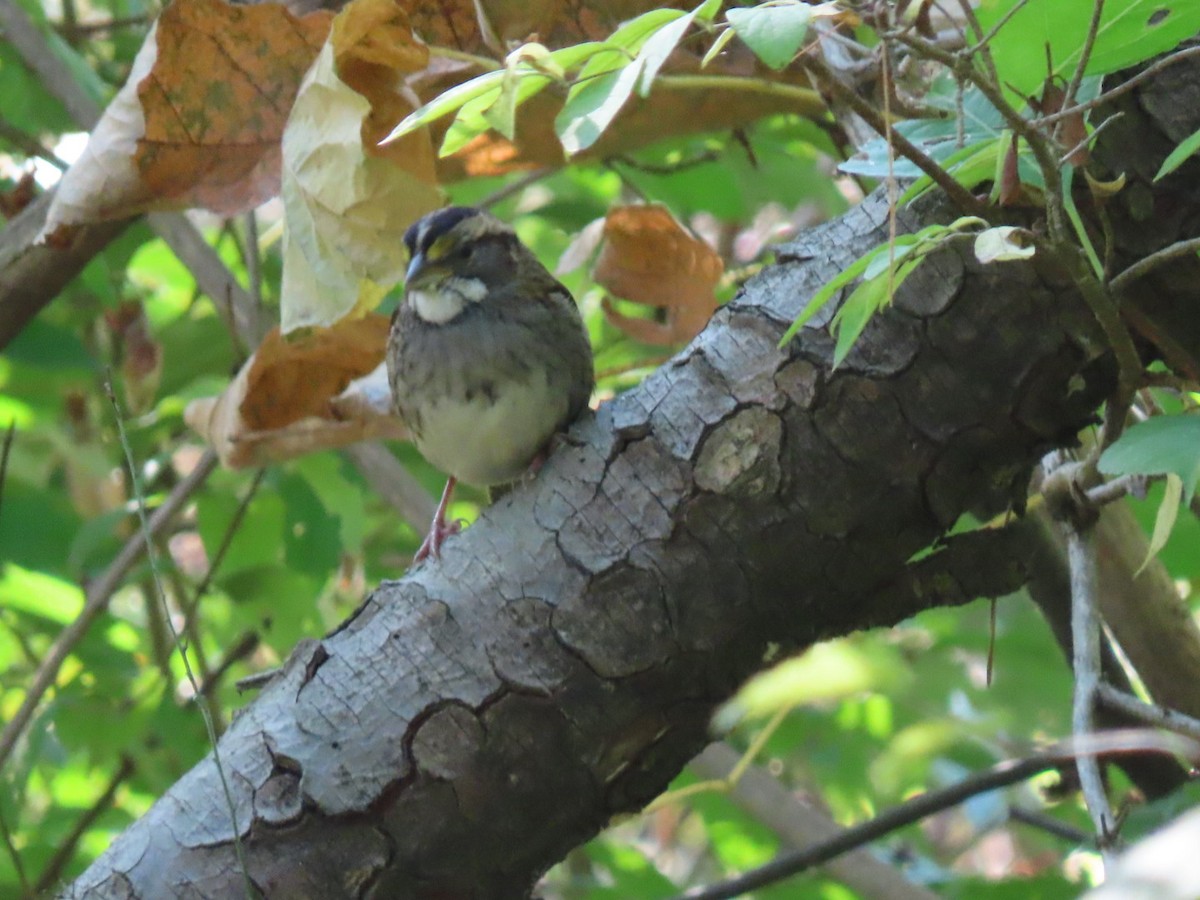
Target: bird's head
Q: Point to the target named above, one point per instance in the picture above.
(458, 255)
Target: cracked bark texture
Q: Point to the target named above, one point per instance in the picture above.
(475, 720)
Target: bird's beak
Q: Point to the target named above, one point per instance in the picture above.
(415, 268)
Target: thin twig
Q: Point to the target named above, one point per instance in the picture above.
(152, 558)
(963, 198)
(999, 776)
(226, 540)
(1066, 156)
(29, 145)
(1111, 491)
(1085, 644)
(1147, 264)
(1048, 824)
(66, 847)
(9, 436)
(243, 647)
(1158, 716)
(515, 186)
(96, 602)
(995, 30)
(1123, 88)
(15, 855)
(254, 262)
(1085, 56)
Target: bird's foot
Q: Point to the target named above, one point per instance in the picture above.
(438, 532)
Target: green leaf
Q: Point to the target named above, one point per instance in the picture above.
(774, 32)
(608, 79)
(826, 671)
(1159, 446)
(825, 294)
(1164, 521)
(1187, 148)
(866, 299)
(1129, 32)
(447, 102)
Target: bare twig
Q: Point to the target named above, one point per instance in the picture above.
(1048, 824)
(1159, 716)
(963, 198)
(1114, 490)
(515, 186)
(1123, 88)
(151, 557)
(226, 540)
(800, 824)
(919, 807)
(96, 601)
(9, 436)
(982, 45)
(243, 647)
(15, 855)
(394, 483)
(1085, 642)
(1085, 55)
(29, 145)
(1066, 156)
(66, 847)
(1147, 264)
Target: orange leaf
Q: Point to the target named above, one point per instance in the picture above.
(294, 378)
(216, 101)
(324, 390)
(372, 44)
(650, 259)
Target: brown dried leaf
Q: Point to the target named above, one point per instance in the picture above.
(198, 121)
(1072, 130)
(218, 97)
(348, 202)
(649, 258)
(326, 389)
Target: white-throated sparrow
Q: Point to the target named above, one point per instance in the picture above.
(487, 356)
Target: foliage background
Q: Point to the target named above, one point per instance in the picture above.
(262, 559)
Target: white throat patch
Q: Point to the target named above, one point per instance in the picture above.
(443, 302)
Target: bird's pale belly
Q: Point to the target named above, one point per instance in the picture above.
(492, 439)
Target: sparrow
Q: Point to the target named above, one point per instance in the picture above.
(487, 355)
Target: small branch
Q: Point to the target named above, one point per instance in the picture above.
(245, 646)
(963, 198)
(1158, 716)
(9, 436)
(151, 557)
(29, 145)
(96, 602)
(1048, 824)
(1123, 88)
(1111, 491)
(513, 187)
(1065, 157)
(1085, 643)
(799, 824)
(15, 855)
(393, 483)
(1085, 55)
(789, 864)
(982, 45)
(1122, 282)
(1173, 353)
(52, 874)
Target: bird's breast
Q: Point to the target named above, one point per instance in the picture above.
(491, 433)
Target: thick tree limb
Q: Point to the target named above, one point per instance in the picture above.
(477, 719)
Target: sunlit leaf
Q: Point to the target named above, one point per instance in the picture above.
(1159, 446)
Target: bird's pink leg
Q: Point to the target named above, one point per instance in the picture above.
(440, 529)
